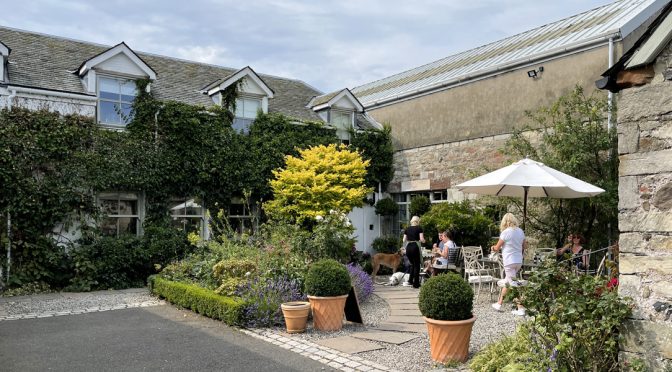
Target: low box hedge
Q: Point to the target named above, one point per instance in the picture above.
(198, 299)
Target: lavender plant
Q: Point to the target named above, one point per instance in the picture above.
(263, 297)
(361, 281)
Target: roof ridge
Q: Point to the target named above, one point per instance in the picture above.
(65, 38)
(467, 51)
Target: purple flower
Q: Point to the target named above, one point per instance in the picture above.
(361, 281)
(263, 297)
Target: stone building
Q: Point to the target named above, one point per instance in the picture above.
(450, 117)
(643, 76)
(71, 76)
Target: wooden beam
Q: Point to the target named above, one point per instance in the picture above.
(635, 77)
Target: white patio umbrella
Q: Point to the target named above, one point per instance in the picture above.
(529, 178)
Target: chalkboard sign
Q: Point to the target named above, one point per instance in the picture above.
(352, 313)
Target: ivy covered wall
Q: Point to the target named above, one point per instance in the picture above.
(52, 166)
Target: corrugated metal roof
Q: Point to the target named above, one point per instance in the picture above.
(574, 31)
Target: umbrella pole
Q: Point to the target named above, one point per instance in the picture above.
(525, 189)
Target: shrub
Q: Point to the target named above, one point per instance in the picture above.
(511, 353)
(327, 278)
(446, 297)
(387, 244)
(419, 205)
(361, 281)
(577, 318)
(198, 299)
(386, 207)
(263, 297)
(468, 224)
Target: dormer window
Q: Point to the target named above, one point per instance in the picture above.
(246, 112)
(342, 122)
(115, 100)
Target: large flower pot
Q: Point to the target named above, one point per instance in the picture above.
(296, 315)
(449, 340)
(328, 312)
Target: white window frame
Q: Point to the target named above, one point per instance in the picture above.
(247, 119)
(119, 102)
(140, 208)
(342, 133)
(202, 216)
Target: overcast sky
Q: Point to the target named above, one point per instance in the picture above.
(328, 44)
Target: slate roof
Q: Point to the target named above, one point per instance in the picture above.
(50, 62)
(319, 100)
(617, 19)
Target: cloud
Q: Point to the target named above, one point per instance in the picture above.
(328, 44)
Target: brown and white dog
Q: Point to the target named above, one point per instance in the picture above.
(391, 260)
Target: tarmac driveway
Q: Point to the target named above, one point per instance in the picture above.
(157, 338)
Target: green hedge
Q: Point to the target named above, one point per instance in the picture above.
(198, 299)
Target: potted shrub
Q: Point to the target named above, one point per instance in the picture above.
(446, 302)
(327, 284)
(296, 315)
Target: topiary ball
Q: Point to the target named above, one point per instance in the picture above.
(327, 278)
(446, 297)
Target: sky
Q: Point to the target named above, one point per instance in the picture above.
(327, 44)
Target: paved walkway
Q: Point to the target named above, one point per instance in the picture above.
(405, 322)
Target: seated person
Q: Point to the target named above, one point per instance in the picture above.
(580, 256)
(435, 249)
(444, 252)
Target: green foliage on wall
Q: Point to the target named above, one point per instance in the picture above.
(51, 167)
(575, 140)
(376, 147)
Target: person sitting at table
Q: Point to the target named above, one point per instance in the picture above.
(512, 243)
(448, 251)
(436, 248)
(580, 256)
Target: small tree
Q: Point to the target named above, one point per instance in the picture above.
(321, 179)
(468, 225)
(419, 205)
(574, 140)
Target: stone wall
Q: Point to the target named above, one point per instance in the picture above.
(645, 216)
(449, 164)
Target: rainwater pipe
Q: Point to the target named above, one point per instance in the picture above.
(10, 98)
(610, 96)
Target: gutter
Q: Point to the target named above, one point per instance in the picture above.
(52, 93)
(497, 70)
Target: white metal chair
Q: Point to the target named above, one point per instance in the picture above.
(475, 272)
(470, 249)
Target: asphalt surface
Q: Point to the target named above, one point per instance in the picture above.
(159, 338)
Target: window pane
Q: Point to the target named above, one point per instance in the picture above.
(241, 124)
(250, 108)
(188, 224)
(109, 113)
(126, 113)
(239, 107)
(128, 90)
(108, 207)
(341, 120)
(128, 208)
(177, 207)
(108, 226)
(110, 86)
(128, 225)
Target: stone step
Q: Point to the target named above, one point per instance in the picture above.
(400, 327)
(405, 319)
(389, 337)
(348, 344)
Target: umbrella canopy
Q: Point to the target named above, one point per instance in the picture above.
(529, 178)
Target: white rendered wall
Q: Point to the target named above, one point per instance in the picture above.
(363, 219)
(344, 103)
(122, 65)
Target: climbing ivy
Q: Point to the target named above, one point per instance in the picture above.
(51, 166)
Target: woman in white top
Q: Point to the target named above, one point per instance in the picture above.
(512, 244)
(445, 249)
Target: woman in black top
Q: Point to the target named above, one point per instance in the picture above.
(414, 236)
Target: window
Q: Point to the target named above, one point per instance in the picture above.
(342, 121)
(246, 112)
(187, 214)
(120, 213)
(241, 217)
(115, 99)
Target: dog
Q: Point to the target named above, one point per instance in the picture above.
(391, 260)
(398, 278)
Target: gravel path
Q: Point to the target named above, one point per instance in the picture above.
(65, 303)
(414, 355)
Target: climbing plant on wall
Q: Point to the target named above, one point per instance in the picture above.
(51, 166)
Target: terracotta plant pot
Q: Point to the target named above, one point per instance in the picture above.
(296, 315)
(449, 340)
(328, 312)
